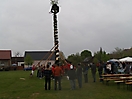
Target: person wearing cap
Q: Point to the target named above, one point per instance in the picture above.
(72, 77)
(57, 75)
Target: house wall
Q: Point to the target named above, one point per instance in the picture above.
(20, 63)
(17, 67)
(5, 62)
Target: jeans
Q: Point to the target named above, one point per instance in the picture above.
(100, 75)
(85, 78)
(47, 83)
(58, 79)
(72, 82)
(79, 78)
(94, 77)
(39, 74)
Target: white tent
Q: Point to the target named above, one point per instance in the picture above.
(126, 59)
(113, 60)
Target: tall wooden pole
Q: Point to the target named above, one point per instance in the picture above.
(55, 10)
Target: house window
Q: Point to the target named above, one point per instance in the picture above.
(2, 63)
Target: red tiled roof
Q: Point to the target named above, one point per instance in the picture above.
(5, 54)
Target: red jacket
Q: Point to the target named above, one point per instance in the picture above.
(33, 68)
(57, 71)
(68, 66)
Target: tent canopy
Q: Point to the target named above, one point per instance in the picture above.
(113, 60)
(126, 59)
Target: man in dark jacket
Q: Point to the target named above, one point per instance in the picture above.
(127, 69)
(47, 74)
(100, 70)
(79, 75)
(93, 70)
(72, 77)
(85, 72)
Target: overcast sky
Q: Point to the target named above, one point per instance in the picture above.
(82, 24)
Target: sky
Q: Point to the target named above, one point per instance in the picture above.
(82, 25)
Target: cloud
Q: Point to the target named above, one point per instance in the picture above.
(87, 24)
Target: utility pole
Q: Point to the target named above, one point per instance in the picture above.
(55, 10)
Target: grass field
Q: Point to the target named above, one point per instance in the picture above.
(13, 86)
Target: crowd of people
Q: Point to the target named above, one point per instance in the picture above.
(118, 67)
(114, 67)
(73, 73)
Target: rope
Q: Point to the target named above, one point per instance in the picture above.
(48, 58)
(46, 54)
(63, 58)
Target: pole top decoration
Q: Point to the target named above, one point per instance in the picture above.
(55, 7)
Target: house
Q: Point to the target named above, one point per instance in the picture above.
(5, 57)
(43, 57)
(19, 61)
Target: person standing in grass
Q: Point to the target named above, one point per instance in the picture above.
(127, 68)
(52, 68)
(57, 75)
(72, 76)
(85, 72)
(33, 69)
(79, 75)
(100, 71)
(47, 74)
(93, 70)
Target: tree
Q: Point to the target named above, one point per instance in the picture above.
(28, 60)
(85, 54)
(95, 60)
(17, 54)
(75, 58)
(127, 52)
(117, 53)
(101, 56)
(120, 53)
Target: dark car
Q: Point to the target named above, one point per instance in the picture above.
(27, 68)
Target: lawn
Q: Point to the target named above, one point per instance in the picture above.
(13, 86)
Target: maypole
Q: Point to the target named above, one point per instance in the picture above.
(55, 10)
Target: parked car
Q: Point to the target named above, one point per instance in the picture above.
(4, 68)
(27, 68)
(14, 66)
(1, 68)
